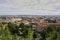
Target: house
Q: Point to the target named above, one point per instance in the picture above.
(26, 22)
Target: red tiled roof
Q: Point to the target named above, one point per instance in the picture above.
(42, 25)
(58, 24)
(1, 25)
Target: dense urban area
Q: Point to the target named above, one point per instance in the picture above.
(29, 27)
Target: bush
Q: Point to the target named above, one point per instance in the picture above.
(25, 32)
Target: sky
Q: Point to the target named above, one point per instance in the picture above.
(29, 7)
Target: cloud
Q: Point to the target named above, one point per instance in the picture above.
(30, 7)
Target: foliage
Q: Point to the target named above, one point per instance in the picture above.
(26, 32)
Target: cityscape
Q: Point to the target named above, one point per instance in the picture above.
(29, 19)
(26, 27)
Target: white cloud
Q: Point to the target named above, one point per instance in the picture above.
(44, 7)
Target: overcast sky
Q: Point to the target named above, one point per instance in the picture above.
(29, 7)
